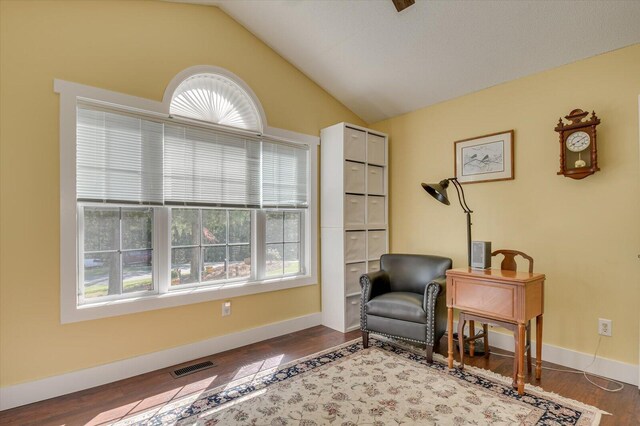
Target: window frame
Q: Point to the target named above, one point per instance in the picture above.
(70, 310)
(154, 262)
(252, 238)
(300, 242)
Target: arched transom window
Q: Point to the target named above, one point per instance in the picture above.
(217, 99)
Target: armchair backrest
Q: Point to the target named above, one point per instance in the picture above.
(412, 272)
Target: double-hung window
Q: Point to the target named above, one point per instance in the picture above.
(169, 206)
(210, 246)
(118, 166)
(117, 252)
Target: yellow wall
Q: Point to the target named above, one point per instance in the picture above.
(134, 48)
(583, 234)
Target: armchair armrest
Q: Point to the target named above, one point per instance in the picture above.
(434, 290)
(371, 285)
(435, 307)
(374, 284)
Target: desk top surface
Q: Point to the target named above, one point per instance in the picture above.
(496, 274)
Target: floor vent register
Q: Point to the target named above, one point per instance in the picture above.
(190, 369)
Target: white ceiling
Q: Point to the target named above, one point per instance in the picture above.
(381, 63)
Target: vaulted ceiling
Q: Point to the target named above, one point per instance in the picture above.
(381, 63)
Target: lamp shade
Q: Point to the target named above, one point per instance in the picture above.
(438, 190)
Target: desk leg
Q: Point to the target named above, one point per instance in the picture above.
(538, 347)
(521, 335)
(528, 328)
(450, 335)
(514, 383)
(461, 322)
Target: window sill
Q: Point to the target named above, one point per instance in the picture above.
(179, 297)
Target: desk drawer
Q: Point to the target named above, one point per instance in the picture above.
(485, 298)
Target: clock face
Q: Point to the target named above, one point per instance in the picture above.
(578, 141)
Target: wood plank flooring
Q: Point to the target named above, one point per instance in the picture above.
(113, 401)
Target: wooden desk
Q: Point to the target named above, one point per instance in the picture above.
(497, 296)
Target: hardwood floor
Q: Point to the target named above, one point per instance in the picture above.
(113, 401)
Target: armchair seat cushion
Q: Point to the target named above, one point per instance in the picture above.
(399, 305)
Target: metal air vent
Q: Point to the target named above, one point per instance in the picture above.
(190, 369)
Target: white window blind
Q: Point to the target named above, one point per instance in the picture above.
(284, 175)
(118, 157)
(123, 157)
(211, 168)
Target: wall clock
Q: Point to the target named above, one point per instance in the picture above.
(578, 149)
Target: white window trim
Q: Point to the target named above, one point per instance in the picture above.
(70, 311)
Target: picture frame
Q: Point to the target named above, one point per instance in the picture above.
(484, 158)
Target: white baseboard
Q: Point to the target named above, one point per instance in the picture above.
(38, 390)
(617, 370)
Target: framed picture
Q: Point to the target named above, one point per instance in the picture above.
(485, 158)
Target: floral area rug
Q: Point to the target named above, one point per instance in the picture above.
(386, 384)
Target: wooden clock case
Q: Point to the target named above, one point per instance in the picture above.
(577, 124)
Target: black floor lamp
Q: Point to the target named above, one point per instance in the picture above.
(439, 192)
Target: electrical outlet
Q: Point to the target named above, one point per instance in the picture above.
(604, 327)
(226, 308)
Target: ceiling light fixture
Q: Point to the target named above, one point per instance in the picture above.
(402, 4)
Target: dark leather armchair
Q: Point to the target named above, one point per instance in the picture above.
(405, 299)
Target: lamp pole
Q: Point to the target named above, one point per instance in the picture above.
(467, 211)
